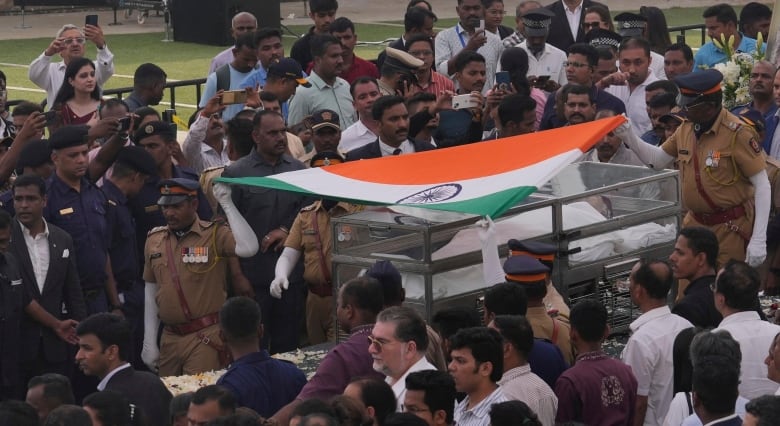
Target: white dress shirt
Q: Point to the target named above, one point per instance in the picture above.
(399, 387)
(49, 76)
(636, 107)
(754, 336)
(38, 247)
(480, 414)
(521, 384)
(199, 154)
(573, 16)
(774, 149)
(679, 415)
(355, 136)
(649, 354)
(406, 147)
(103, 383)
(452, 40)
(550, 63)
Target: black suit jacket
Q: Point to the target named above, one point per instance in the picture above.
(560, 34)
(61, 287)
(146, 391)
(373, 150)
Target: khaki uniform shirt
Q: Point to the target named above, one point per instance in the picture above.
(734, 153)
(303, 237)
(543, 326)
(203, 283)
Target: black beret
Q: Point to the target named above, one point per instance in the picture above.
(138, 159)
(154, 128)
(68, 136)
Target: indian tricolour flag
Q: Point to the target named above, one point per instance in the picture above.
(485, 178)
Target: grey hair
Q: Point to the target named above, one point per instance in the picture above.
(409, 325)
(67, 27)
(719, 343)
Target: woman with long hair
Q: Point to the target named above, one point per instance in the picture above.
(514, 60)
(597, 16)
(78, 99)
(656, 31)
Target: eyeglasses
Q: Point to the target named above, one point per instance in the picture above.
(574, 64)
(378, 344)
(245, 28)
(591, 25)
(77, 40)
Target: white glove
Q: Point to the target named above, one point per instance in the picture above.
(624, 129)
(492, 271)
(756, 253)
(150, 354)
(222, 192)
(277, 285)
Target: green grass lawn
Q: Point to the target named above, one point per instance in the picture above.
(184, 61)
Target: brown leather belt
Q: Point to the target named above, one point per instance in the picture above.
(723, 216)
(322, 290)
(195, 325)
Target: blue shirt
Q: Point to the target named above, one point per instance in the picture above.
(651, 137)
(738, 110)
(123, 249)
(709, 55)
(236, 78)
(257, 78)
(546, 361)
(83, 215)
(7, 202)
(262, 383)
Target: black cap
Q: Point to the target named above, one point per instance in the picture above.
(327, 158)
(695, 85)
(138, 159)
(400, 60)
(675, 114)
(174, 191)
(630, 24)
(154, 128)
(288, 68)
(537, 22)
(524, 269)
(37, 152)
(324, 118)
(600, 37)
(68, 136)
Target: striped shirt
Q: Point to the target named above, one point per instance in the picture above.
(521, 384)
(480, 414)
(437, 84)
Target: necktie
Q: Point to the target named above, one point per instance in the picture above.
(397, 151)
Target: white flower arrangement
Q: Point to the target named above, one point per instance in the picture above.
(736, 70)
(306, 360)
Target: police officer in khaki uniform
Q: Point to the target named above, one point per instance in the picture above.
(532, 275)
(723, 174)
(184, 271)
(325, 137)
(311, 234)
(544, 253)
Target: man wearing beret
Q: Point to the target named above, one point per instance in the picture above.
(185, 269)
(133, 166)
(723, 175)
(270, 213)
(80, 208)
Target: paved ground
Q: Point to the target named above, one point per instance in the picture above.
(46, 25)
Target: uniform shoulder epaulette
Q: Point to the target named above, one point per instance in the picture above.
(310, 207)
(206, 224)
(112, 203)
(157, 229)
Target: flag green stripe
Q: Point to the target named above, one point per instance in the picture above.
(492, 205)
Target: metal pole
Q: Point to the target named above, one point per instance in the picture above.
(772, 42)
(23, 26)
(167, 18)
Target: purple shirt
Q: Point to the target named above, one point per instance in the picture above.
(344, 362)
(596, 390)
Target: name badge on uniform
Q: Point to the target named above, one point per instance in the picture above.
(195, 255)
(65, 254)
(68, 210)
(308, 232)
(345, 233)
(16, 282)
(152, 208)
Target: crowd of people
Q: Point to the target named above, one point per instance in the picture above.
(122, 260)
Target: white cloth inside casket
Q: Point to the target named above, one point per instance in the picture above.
(528, 225)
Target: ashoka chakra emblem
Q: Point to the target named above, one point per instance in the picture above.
(435, 194)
